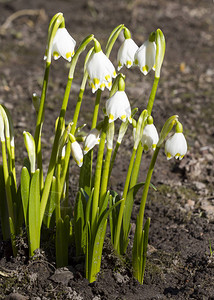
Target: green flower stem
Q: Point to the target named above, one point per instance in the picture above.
(79, 102)
(54, 152)
(136, 166)
(145, 193)
(105, 176)
(13, 164)
(73, 128)
(152, 96)
(7, 182)
(40, 119)
(9, 154)
(53, 158)
(97, 178)
(58, 172)
(65, 168)
(112, 38)
(125, 191)
(96, 109)
(113, 158)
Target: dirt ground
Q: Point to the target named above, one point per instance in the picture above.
(180, 263)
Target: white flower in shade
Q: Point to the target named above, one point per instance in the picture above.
(176, 146)
(145, 57)
(101, 71)
(92, 139)
(150, 137)
(126, 53)
(63, 44)
(77, 154)
(118, 106)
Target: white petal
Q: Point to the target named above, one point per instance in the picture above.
(63, 44)
(126, 53)
(145, 56)
(118, 106)
(176, 145)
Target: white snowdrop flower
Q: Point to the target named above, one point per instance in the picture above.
(118, 106)
(92, 139)
(77, 154)
(126, 53)
(145, 57)
(176, 146)
(63, 45)
(150, 137)
(101, 71)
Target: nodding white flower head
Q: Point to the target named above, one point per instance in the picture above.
(63, 45)
(118, 105)
(101, 71)
(150, 136)
(145, 57)
(77, 154)
(92, 139)
(126, 53)
(176, 145)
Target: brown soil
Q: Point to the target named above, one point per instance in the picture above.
(180, 264)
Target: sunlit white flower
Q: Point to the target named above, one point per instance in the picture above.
(92, 139)
(126, 53)
(145, 57)
(150, 137)
(100, 71)
(63, 45)
(118, 106)
(176, 146)
(77, 154)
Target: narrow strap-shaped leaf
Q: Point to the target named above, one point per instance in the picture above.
(4, 217)
(105, 204)
(145, 245)
(25, 188)
(97, 245)
(13, 236)
(88, 207)
(34, 212)
(113, 216)
(135, 252)
(51, 205)
(79, 220)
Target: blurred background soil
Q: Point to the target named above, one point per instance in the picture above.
(180, 264)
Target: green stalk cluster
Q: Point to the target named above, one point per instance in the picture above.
(40, 202)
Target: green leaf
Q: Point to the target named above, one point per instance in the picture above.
(96, 245)
(113, 216)
(4, 217)
(25, 188)
(86, 173)
(62, 242)
(139, 251)
(34, 213)
(79, 222)
(145, 245)
(51, 204)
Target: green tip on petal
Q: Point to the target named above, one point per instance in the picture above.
(127, 33)
(97, 46)
(121, 84)
(179, 127)
(152, 36)
(149, 120)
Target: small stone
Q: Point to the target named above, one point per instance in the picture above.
(62, 275)
(16, 296)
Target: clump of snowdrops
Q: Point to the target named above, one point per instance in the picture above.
(39, 202)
